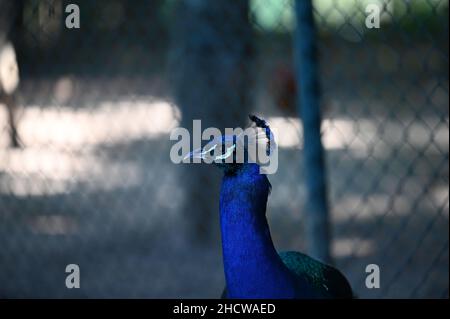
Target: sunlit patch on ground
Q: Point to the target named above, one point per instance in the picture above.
(110, 122)
(358, 247)
(363, 137)
(59, 145)
(52, 225)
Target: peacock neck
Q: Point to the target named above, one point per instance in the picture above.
(252, 266)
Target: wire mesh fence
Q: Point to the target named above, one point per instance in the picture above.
(91, 181)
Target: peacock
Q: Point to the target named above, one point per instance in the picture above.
(253, 268)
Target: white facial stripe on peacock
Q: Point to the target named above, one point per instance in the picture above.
(254, 143)
(211, 150)
(227, 153)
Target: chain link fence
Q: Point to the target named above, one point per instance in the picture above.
(91, 182)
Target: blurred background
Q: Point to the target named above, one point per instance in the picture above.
(85, 118)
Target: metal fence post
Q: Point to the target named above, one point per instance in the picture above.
(308, 105)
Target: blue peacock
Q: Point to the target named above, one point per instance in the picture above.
(252, 266)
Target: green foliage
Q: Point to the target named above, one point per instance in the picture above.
(332, 15)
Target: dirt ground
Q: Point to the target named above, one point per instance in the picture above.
(94, 185)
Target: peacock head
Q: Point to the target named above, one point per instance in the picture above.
(238, 150)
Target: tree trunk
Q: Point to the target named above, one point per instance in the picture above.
(210, 65)
(10, 19)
